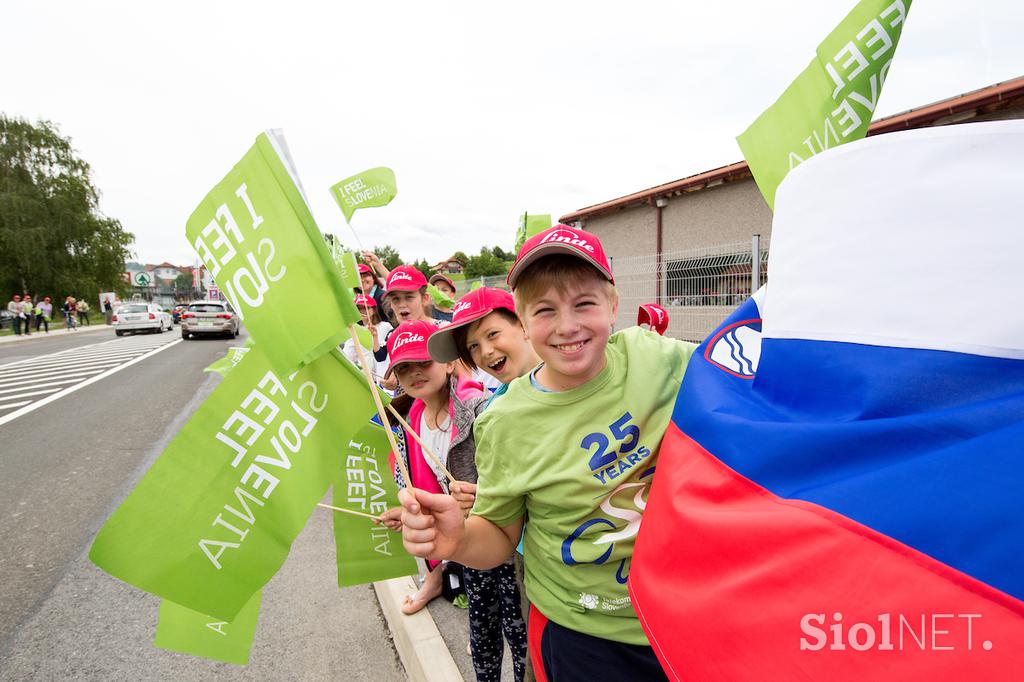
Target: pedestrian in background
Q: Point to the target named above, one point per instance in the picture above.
(108, 309)
(69, 309)
(83, 312)
(14, 307)
(26, 313)
(44, 311)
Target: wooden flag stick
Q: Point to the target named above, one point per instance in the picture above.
(353, 512)
(403, 469)
(426, 448)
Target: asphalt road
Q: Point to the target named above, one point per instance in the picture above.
(64, 467)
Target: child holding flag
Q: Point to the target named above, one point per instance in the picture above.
(573, 445)
(378, 330)
(442, 413)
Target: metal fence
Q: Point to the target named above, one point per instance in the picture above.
(698, 287)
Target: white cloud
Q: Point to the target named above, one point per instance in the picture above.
(482, 110)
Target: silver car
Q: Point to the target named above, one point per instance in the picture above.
(208, 317)
(137, 317)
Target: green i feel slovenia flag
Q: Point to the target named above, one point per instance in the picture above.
(229, 361)
(213, 519)
(529, 225)
(373, 187)
(833, 100)
(366, 551)
(190, 632)
(255, 233)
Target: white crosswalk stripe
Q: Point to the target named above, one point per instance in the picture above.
(32, 382)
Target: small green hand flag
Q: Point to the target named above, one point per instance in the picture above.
(530, 225)
(371, 188)
(439, 299)
(214, 517)
(258, 238)
(367, 551)
(190, 632)
(832, 101)
(229, 361)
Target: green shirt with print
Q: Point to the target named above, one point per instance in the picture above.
(580, 463)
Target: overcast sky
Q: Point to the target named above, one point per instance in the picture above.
(482, 109)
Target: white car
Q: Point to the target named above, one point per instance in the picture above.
(137, 317)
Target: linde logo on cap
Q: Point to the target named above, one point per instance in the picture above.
(460, 306)
(660, 315)
(568, 237)
(401, 275)
(406, 338)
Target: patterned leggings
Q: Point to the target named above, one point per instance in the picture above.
(494, 608)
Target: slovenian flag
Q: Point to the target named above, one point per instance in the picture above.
(840, 494)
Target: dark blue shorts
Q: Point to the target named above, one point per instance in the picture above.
(559, 654)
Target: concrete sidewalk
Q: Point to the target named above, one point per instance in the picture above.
(54, 333)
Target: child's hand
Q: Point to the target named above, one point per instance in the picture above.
(465, 494)
(370, 258)
(392, 518)
(390, 383)
(432, 524)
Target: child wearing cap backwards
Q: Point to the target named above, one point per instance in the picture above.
(573, 445)
(378, 330)
(442, 414)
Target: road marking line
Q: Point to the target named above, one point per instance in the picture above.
(71, 362)
(97, 353)
(12, 405)
(45, 376)
(25, 395)
(44, 385)
(92, 380)
(62, 354)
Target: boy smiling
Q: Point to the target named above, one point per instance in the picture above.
(574, 445)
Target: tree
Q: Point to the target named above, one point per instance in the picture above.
(502, 254)
(388, 256)
(423, 266)
(485, 265)
(461, 258)
(53, 238)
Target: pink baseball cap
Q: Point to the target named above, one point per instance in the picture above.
(408, 343)
(561, 239)
(364, 300)
(364, 269)
(654, 315)
(473, 306)
(405, 278)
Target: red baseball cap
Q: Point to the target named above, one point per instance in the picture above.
(561, 239)
(473, 306)
(408, 343)
(363, 300)
(654, 315)
(364, 269)
(405, 278)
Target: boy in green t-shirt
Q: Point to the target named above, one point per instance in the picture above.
(574, 445)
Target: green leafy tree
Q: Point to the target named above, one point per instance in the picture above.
(502, 254)
(53, 238)
(388, 256)
(461, 257)
(423, 266)
(485, 265)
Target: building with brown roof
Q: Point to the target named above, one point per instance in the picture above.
(681, 243)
